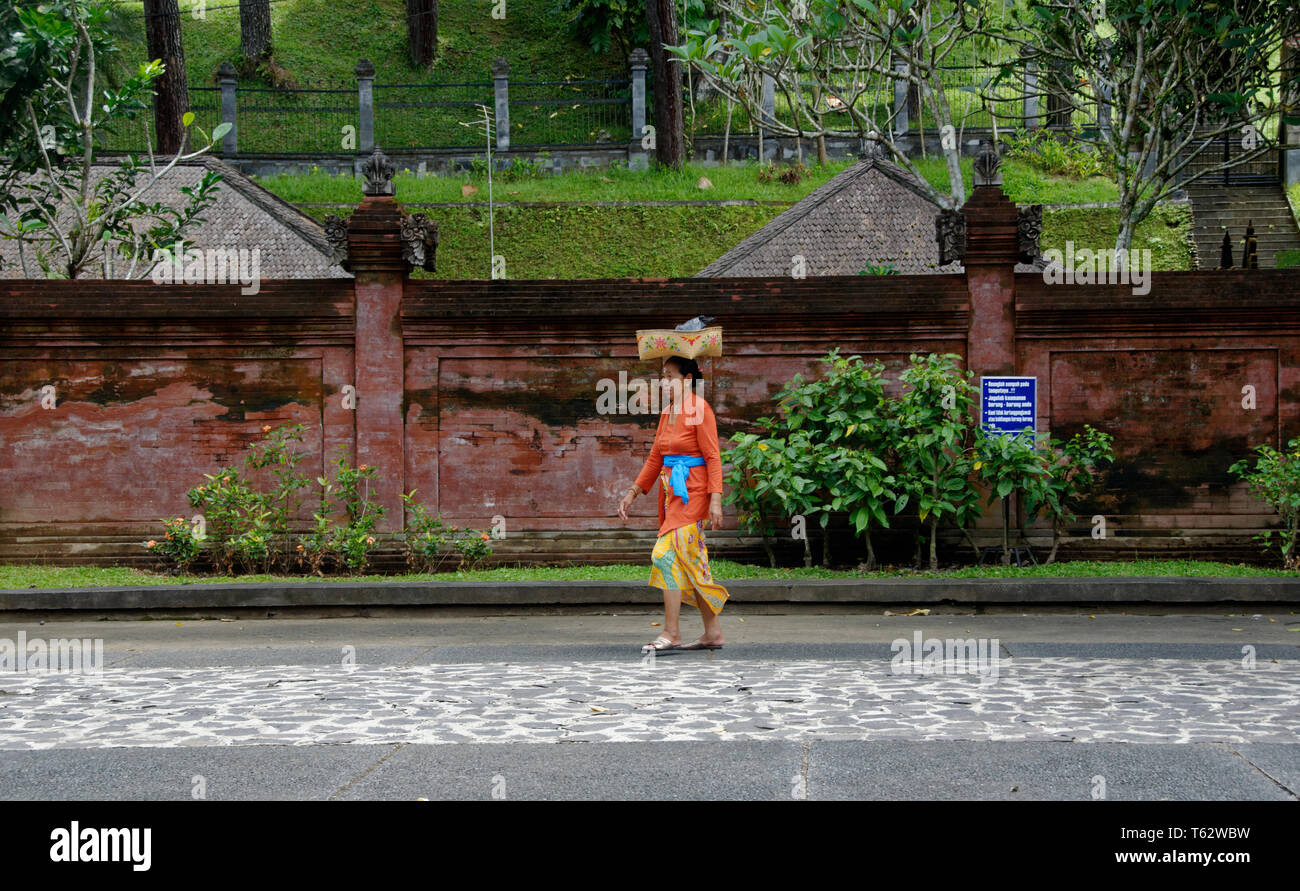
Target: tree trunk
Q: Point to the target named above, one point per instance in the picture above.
(422, 30)
(871, 552)
(767, 540)
(171, 100)
(1056, 540)
(1124, 239)
(807, 551)
(255, 29)
(670, 138)
(1006, 551)
(826, 546)
(934, 543)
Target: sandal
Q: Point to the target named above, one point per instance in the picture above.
(660, 644)
(701, 645)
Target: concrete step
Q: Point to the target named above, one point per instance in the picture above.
(1218, 209)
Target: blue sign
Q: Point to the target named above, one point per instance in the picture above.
(1007, 404)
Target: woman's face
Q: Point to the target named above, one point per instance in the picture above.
(671, 373)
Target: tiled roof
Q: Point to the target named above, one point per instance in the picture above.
(290, 243)
(875, 212)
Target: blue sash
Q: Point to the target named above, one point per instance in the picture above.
(681, 465)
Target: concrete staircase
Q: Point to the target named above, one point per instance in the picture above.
(1217, 209)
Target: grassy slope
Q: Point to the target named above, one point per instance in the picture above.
(598, 242)
(14, 576)
(323, 39)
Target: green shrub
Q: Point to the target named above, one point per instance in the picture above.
(1042, 150)
(1288, 259)
(179, 545)
(1276, 479)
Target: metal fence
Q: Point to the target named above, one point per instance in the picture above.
(430, 116)
(344, 118)
(312, 120)
(130, 135)
(574, 112)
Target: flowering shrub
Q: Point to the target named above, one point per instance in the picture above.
(178, 546)
(474, 547)
(1276, 479)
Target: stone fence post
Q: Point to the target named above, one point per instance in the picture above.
(901, 122)
(637, 156)
(1031, 114)
(365, 106)
(501, 91)
(226, 77)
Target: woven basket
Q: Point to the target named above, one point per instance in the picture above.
(656, 344)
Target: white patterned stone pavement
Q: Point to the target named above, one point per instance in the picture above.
(1084, 700)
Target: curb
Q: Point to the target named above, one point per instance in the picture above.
(559, 592)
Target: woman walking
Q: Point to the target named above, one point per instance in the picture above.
(687, 465)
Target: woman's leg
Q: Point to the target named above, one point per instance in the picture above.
(672, 610)
(712, 627)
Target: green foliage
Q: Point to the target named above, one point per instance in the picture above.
(935, 431)
(235, 519)
(178, 546)
(605, 24)
(1275, 478)
(474, 547)
(347, 544)
(882, 269)
(1287, 259)
(245, 527)
(274, 454)
(822, 455)
(519, 168)
(55, 101)
(841, 446)
(789, 174)
(1042, 150)
(428, 542)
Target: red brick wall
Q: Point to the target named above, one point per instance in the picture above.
(484, 393)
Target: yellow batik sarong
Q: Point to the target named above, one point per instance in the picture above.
(681, 562)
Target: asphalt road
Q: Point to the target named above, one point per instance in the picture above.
(813, 703)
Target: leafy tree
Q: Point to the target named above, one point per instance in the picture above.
(754, 474)
(851, 53)
(66, 215)
(935, 429)
(846, 410)
(1276, 479)
(670, 137)
(1172, 74)
(1072, 467)
(1012, 462)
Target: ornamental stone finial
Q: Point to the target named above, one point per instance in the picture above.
(987, 165)
(378, 171)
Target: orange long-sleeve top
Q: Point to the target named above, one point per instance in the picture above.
(676, 435)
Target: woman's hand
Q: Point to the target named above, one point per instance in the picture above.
(715, 510)
(623, 505)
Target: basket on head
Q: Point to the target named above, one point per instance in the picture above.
(657, 343)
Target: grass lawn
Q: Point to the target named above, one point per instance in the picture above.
(25, 576)
(582, 240)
